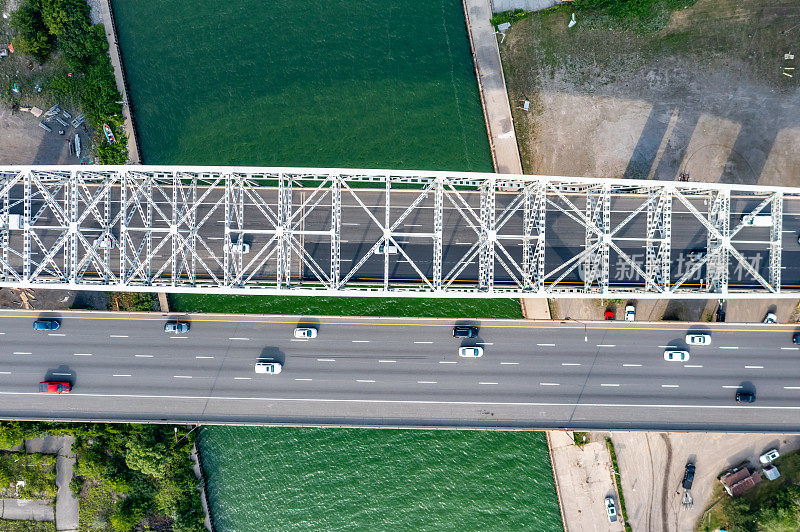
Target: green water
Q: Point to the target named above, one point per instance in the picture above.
(353, 83)
(361, 479)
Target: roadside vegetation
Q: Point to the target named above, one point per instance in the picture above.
(8, 525)
(128, 477)
(133, 301)
(348, 306)
(772, 506)
(37, 471)
(618, 483)
(73, 68)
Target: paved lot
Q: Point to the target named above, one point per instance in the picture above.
(22, 141)
(652, 464)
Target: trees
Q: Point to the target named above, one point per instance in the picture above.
(33, 38)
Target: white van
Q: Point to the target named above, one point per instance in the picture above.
(760, 220)
(271, 368)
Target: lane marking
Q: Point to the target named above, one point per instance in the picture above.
(509, 363)
(549, 384)
(754, 367)
(427, 382)
(790, 348)
(631, 365)
(728, 347)
(570, 364)
(5, 373)
(423, 342)
(614, 385)
(117, 335)
(55, 334)
(606, 345)
(791, 387)
(670, 386)
(326, 360)
(484, 343)
(387, 361)
(299, 339)
(448, 362)
(242, 378)
(302, 379)
(546, 345)
(63, 374)
(239, 338)
(364, 380)
(669, 346)
(200, 357)
(81, 354)
(121, 375)
(692, 366)
(22, 353)
(179, 337)
(146, 356)
(488, 383)
(731, 387)
(181, 376)
(360, 341)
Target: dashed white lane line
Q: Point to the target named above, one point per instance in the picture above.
(146, 356)
(179, 337)
(81, 354)
(243, 378)
(387, 361)
(423, 342)
(610, 384)
(670, 386)
(427, 382)
(570, 364)
(5, 373)
(728, 347)
(360, 341)
(63, 374)
(326, 360)
(606, 345)
(509, 363)
(364, 380)
(117, 335)
(731, 387)
(240, 339)
(692, 365)
(488, 383)
(55, 334)
(2, 333)
(790, 348)
(448, 362)
(303, 379)
(546, 345)
(754, 367)
(549, 384)
(484, 343)
(121, 375)
(299, 339)
(668, 346)
(181, 376)
(202, 357)
(631, 365)
(22, 353)
(791, 387)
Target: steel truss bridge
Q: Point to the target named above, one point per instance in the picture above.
(309, 231)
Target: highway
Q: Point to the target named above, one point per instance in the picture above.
(399, 372)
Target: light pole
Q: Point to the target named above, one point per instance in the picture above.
(585, 332)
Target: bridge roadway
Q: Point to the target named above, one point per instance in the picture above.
(400, 372)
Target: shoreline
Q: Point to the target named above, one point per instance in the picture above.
(110, 29)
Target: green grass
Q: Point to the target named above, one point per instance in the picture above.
(618, 482)
(348, 306)
(7, 525)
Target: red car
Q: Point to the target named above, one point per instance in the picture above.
(609, 314)
(54, 387)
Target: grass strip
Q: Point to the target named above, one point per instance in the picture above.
(618, 482)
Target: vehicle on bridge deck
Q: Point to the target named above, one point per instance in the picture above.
(698, 339)
(465, 331)
(305, 332)
(268, 367)
(383, 249)
(745, 397)
(760, 220)
(470, 352)
(54, 387)
(46, 325)
(611, 510)
(176, 327)
(676, 355)
(240, 247)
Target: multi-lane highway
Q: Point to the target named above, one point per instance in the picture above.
(400, 372)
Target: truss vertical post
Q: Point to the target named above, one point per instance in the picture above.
(438, 215)
(284, 256)
(6, 234)
(193, 233)
(659, 238)
(488, 236)
(336, 231)
(775, 242)
(598, 236)
(123, 228)
(534, 215)
(386, 232)
(718, 243)
(71, 200)
(26, 220)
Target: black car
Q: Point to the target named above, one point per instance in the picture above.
(796, 338)
(745, 397)
(688, 477)
(465, 331)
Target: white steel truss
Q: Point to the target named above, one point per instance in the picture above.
(307, 231)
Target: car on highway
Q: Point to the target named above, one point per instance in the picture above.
(54, 387)
(630, 313)
(305, 332)
(698, 339)
(745, 397)
(104, 242)
(176, 327)
(611, 510)
(268, 367)
(383, 249)
(46, 325)
(470, 352)
(769, 456)
(796, 338)
(240, 247)
(676, 355)
(609, 315)
(465, 331)
(770, 318)
(688, 476)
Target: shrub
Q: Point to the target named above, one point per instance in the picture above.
(33, 38)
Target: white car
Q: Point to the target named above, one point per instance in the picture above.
(305, 332)
(676, 355)
(470, 352)
(770, 318)
(104, 242)
(769, 456)
(611, 509)
(383, 249)
(271, 368)
(630, 313)
(698, 339)
(240, 247)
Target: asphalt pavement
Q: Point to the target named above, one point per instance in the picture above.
(400, 372)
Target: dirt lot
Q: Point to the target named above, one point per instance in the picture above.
(706, 95)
